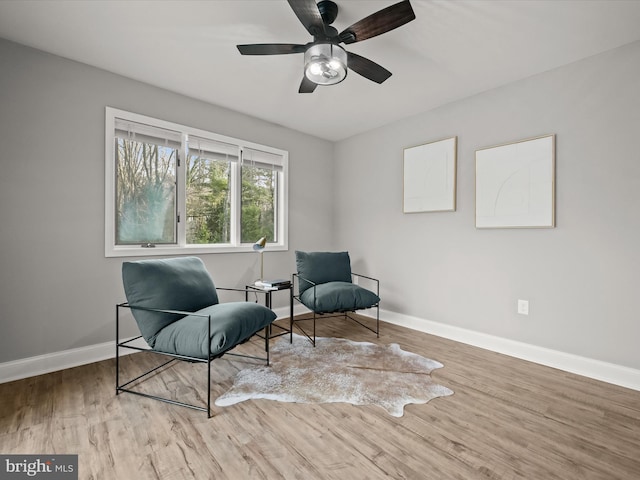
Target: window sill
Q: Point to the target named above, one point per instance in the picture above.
(161, 250)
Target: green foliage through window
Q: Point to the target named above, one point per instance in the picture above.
(259, 189)
(208, 201)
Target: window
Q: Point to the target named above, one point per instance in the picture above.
(176, 189)
(208, 188)
(146, 171)
(259, 215)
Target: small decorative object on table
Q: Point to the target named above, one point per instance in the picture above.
(277, 284)
(259, 247)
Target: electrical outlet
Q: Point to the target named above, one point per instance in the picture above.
(523, 307)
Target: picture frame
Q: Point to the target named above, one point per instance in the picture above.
(429, 176)
(515, 184)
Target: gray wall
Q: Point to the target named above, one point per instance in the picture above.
(581, 278)
(57, 290)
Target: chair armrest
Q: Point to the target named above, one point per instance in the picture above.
(305, 279)
(156, 310)
(312, 283)
(364, 276)
(160, 310)
(369, 278)
(299, 277)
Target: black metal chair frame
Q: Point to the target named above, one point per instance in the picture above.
(174, 357)
(338, 313)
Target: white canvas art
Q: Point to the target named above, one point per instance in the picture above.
(515, 184)
(430, 177)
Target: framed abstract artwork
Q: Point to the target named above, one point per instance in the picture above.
(429, 173)
(515, 184)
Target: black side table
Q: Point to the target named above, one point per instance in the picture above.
(268, 291)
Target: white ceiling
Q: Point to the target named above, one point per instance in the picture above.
(452, 50)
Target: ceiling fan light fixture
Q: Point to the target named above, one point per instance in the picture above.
(325, 63)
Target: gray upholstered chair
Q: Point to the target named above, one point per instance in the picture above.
(324, 283)
(175, 305)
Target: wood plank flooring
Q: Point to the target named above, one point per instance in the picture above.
(508, 419)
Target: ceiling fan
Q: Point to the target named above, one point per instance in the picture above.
(325, 61)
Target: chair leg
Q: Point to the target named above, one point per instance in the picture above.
(314, 329)
(266, 342)
(209, 388)
(117, 349)
(117, 370)
(291, 312)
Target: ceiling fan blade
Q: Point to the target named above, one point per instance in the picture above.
(309, 15)
(307, 86)
(367, 68)
(378, 23)
(270, 48)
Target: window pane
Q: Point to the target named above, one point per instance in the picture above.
(208, 200)
(145, 193)
(259, 201)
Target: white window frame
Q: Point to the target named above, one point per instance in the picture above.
(181, 247)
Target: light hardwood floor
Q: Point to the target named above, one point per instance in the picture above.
(508, 419)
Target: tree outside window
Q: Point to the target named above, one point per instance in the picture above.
(146, 194)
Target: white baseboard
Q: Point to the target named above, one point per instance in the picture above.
(298, 309)
(52, 362)
(587, 367)
(596, 369)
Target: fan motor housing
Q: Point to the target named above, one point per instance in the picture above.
(328, 11)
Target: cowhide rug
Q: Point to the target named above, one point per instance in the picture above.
(338, 370)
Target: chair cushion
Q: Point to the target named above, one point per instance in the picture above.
(168, 284)
(338, 297)
(322, 267)
(231, 323)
